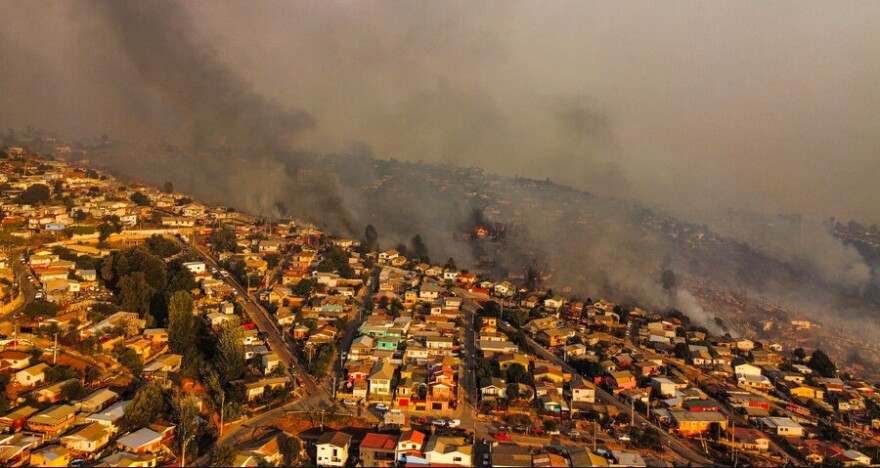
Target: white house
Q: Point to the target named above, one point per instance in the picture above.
(448, 451)
(784, 427)
(333, 448)
(195, 267)
(583, 393)
(32, 375)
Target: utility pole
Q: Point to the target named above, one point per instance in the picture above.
(222, 409)
(55, 350)
(632, 412)
(595, 425)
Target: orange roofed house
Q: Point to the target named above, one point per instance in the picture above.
(378, 450)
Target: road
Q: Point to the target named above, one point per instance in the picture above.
(468, 410)
(606, 398)
(20, 272)
(265, 323)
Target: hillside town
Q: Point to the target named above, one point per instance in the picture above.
(140, 327)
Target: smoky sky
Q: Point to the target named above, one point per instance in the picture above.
(768, 106)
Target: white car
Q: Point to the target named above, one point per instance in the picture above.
(349, 402)
(454, 423)
(382, 407)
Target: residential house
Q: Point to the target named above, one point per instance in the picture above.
(269, 362)
(494, 388)
(378, 450)
(110, 416)
(511, 455)
(13, 421)
(448, 451)
(52, 393)
(784, 427)
(332, 448)
(254, 390)
(380, 380)
(749, 439)
(87, 439)
(583, 393)
(163, 364)
(621, 379)
(690, 423)
(14, 360)
(410, 448)
(31, 376)
(52, 421)
(51, 456)
(143, 440)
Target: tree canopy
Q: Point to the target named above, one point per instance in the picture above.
(140, 199)
(181, 323)
(35, 194)
(822, 364)
(148, 405)
(230, 351)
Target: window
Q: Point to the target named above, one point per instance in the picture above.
(335, 452)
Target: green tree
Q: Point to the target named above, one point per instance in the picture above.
(450, 264)
(132, 360)
(186, 412)
(291, 449)
(683, 352)
(517, 317)
(181, 323)
(73, 390)
(148, 405)
(105, 229)
(41, 308)
(512, 392)
(135, 293)
(223, 239)
(822, 364)
(223, 455)
(168, 187)
(140, 199)
(230, 351)
(35, 194)
(303, 288)
(272, 260)
(516, 373)
(161, 246)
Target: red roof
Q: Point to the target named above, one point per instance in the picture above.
(379, 441)
(413, 436)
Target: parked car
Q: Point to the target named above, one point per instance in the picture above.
(538, 430)
(502, 436)
(421, 420)
(439, 422)
(349, 402)
(574, 433)
(382, 407)
(521, 429)
(454, 423)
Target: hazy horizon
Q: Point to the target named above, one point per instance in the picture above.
(687, 105)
